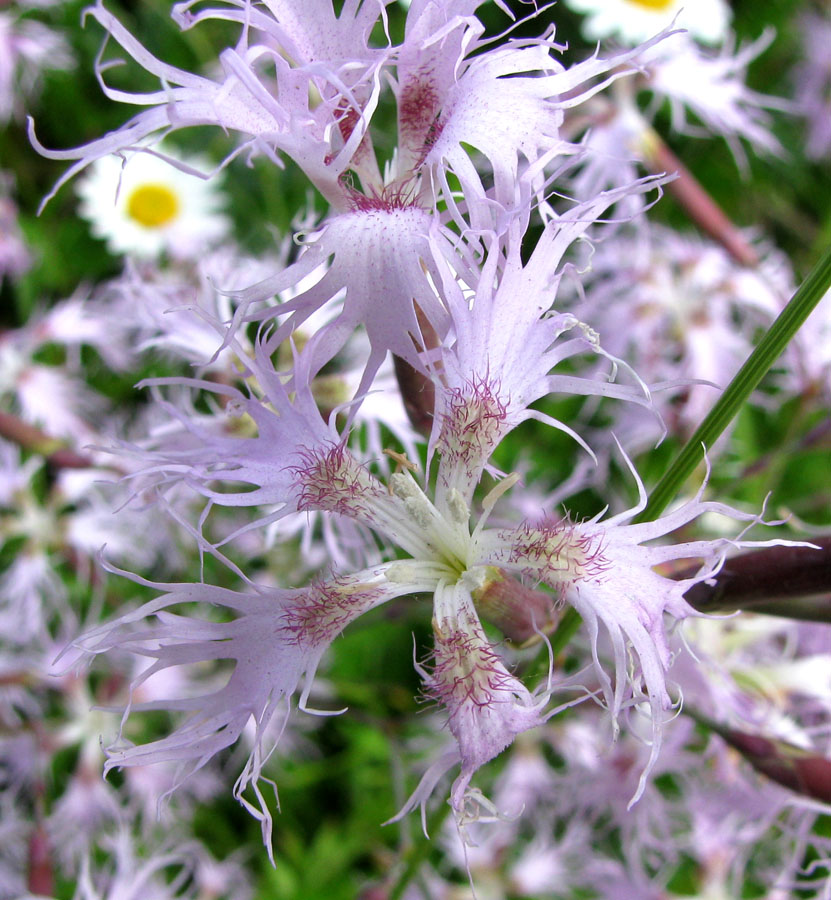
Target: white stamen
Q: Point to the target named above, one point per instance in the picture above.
(489, 500)
(404, 487)
(457, 507)
(420, 510)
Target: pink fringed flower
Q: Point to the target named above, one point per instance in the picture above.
(276, 640)
(429, 262)
(266, 92)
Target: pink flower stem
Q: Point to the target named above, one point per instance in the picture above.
(700, 206)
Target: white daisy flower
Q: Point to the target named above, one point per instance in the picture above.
(633, 21)
(146, 206)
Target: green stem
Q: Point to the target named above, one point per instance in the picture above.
(809, 294)
(566, 629)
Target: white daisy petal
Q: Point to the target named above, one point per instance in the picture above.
(633, 21)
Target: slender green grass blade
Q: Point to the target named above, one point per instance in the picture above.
(800, 306)
(811, 291)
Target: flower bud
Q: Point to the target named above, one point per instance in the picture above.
(793, 767)
(519, 612)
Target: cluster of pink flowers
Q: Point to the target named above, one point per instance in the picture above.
(350, 396)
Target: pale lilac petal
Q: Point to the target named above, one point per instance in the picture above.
(275, 640)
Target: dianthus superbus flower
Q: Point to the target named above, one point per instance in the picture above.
(429, 261)
(445, 547)
(276, 640)
(324, 57)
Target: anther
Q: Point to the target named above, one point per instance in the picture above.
(404, 487)
(401, 461)
(457, 507)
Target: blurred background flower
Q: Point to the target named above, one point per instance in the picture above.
(143, 205)
(737, 801)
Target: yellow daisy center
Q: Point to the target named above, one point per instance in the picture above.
(653, 4)
(152, 205)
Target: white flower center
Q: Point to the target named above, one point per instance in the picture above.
(445, 538)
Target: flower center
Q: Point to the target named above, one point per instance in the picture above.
(152, 205)
(653, 4)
